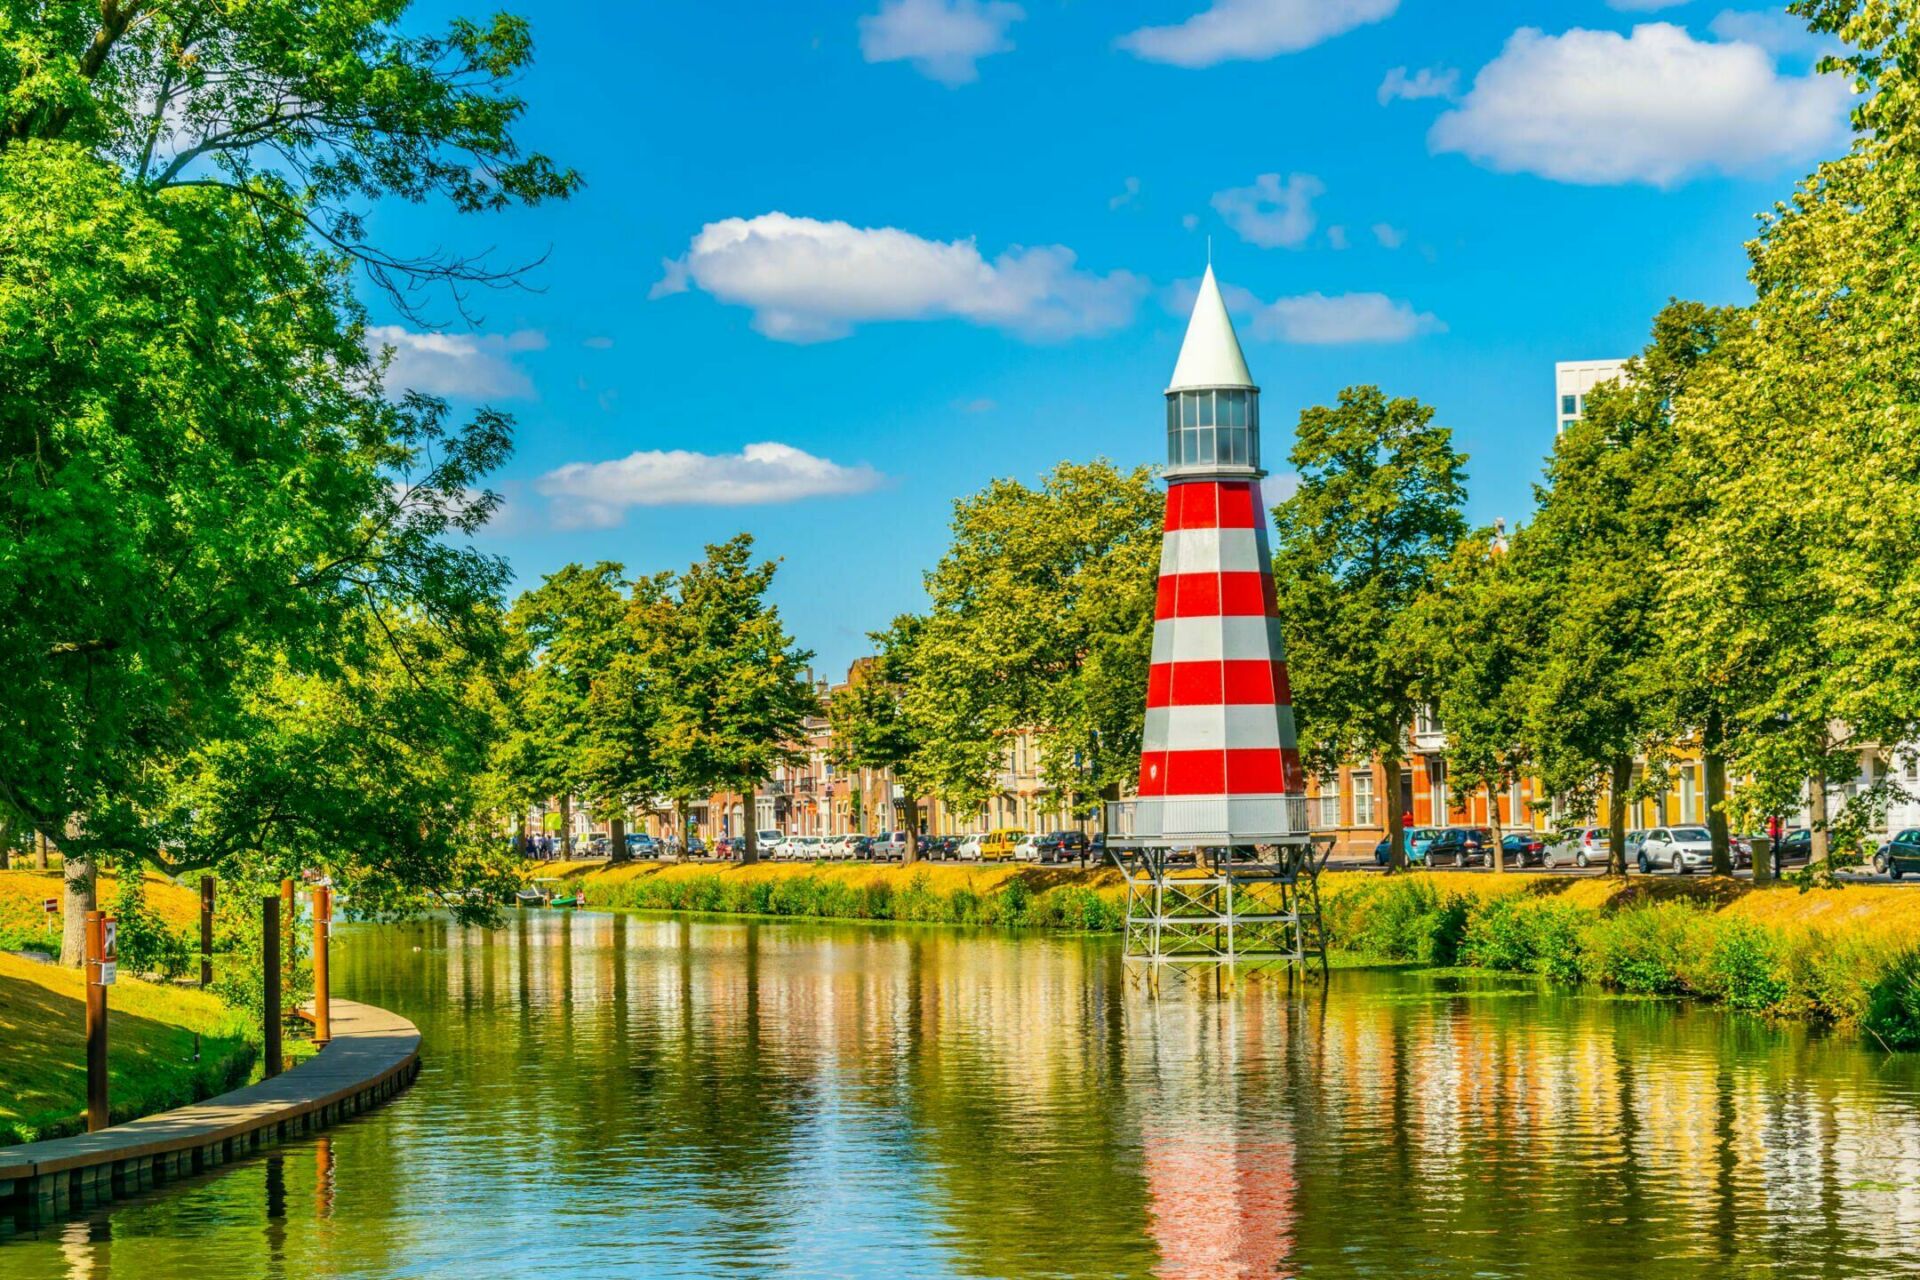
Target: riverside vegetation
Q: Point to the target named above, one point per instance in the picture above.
(1845, 958)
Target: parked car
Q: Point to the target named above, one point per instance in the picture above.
(1418, 838)
(969, 847)
(1523, 849)
(593, 845)
(997, 846)
(642, 845)
(1636, 840)
(941, 847)
(726, 847)
(1579, 847)
(1458, 846)
(1901, 854)
(1797, 845)
(890, 844)
(1680, 848)
(695, 847)
(1069, 845)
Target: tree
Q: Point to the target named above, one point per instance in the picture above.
(1041, 617)
(1805, 568)
(874, 725)
(1607, 688)
(570, 629)
(1376, 513)
(1478, 628)
(738, 696)
(375, 771)
(297, 109)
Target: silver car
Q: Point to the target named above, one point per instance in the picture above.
(1683, 849)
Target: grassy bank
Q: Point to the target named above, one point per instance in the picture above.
(24, 924)
(150, 1049)
(1848, 957)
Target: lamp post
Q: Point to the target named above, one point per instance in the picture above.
(270, 977)
(102, 954)
(322, 1000)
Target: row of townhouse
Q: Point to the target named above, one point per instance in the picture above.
(1350, 804)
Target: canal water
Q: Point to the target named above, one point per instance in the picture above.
(610, 1095)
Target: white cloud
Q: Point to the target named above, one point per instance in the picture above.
(1775, 30)
(1389, 236)
(1128, 192)
(466, 366)
(811, 281)
(601, 343)
(1337, 237)
(1272, 211)
(597, 494)
(1253, 29)
(1643, 6)
(1657, 107)
(979, 404)
(943, 39)
(1191, 221)
(1428, 82)
(1315, 319)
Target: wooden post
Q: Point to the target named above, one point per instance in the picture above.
(270, 978)
(290, 923)
(96, 1023)
(322, 1000)
(206, 931)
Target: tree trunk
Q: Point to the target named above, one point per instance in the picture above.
(1817, 821)
(912, 810)
(680, 825)
(566, 826)
(78, 897)
(1617, 816)
(1715, 760)
(617, 838)
(1493, 824)
(1396, 828)
(749, 835)
(520, 836)
(40, 850)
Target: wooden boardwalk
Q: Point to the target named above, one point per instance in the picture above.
(373, 1055)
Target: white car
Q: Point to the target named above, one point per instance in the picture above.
(1028, 849)
(1585, 847)
(969, 848)
(1681, 848)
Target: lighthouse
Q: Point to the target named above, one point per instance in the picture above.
(1219, 759)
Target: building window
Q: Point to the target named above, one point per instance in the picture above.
(1362, 784)
(1569, 406)
(1329, 803)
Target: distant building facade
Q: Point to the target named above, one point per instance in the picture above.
(1572, 380)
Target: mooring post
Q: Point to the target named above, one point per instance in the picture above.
(206, 931)
(96, 953)
(322, 1000)
(270, 975)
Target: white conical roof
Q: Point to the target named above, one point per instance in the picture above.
(1210, 356)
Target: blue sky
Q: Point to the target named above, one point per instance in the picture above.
(907, 246)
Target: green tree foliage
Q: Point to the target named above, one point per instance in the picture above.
(302, 109)
(1606, 688)
(874, 725)
(1376, 513)
(737, 693)
(1805, 569)
(1041, 618)
(1478, 627)
(569, 631)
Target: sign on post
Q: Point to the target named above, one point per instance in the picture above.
(109, 951)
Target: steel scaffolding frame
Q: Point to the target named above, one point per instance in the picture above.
(1244, 907)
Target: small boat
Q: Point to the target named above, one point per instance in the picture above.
(530, 898)
(569, 900)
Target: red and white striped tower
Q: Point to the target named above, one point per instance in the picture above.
(1219, 761)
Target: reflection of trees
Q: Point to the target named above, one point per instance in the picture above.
(1015, 1086)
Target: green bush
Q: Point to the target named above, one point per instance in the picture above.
(1399, 918)
(145, 944)
(1744, 967)
(1498, 936)
(1893, 1004)
(1643, 949)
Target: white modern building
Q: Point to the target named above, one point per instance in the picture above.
(1572, 379)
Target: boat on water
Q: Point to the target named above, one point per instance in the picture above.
(543, 893)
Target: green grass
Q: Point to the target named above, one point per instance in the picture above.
(150, 1049)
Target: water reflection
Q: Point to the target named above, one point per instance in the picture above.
(611, 1095)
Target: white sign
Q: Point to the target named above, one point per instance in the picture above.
(107, 971)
